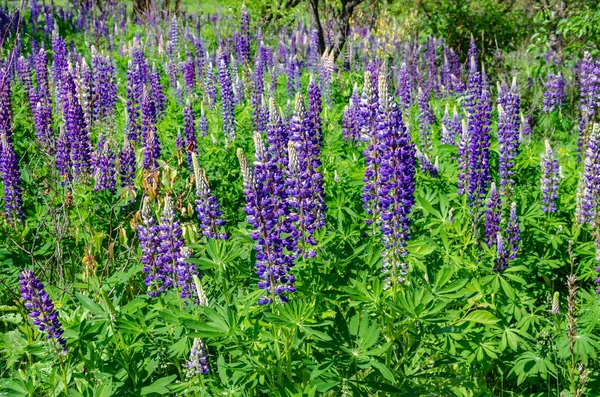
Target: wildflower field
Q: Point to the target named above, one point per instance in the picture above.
(310, 198)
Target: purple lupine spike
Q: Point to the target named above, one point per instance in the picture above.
(158, 96)
(59, 64)
(238, 90)
(23, 69)
(105, 168)
(245, 35)
(105, 86)
(207, 205)
(11, 178)
(185, 274)
(474, 87)
(87, 91)
(76, 129)
(550, 180)
(158, 278)
(456, 124)
(210, 89)
(369, 110)
(41, 308)
(180, 143)
(173, 45)
(63, 156)
(449, 131)
(305, 192)
(189, 74)
(326, 70)
(426, 165)
(315, 108)
(277, 136)
(463, 159)
(292, 64)
(203, 123)
(257, 94)
(502, 254)
(189, 126)
(227, 100)
(150, 139)
(432, 81)
(313, 54)
(41, 103)
(351, 122)
(479, 151)
(397, 170)
(197, 363)
(263, 211)
(513, 232)
(447, 81)
(178, 93)
(508, 133)
(127, 165)
(133, 104)
(170, 237)
(426, 120)
(404, 89)
(591, 180)
(493, 216)
(554, 95)
(5, 106)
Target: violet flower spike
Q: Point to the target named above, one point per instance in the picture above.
(41, 308)
(550, 180)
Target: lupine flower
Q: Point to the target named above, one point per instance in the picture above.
(150, 139)
(59, 64)
(404, 89)
(277, 137)
(41, 103)
(591, 179)
(133, 104)
(474, 86)
(189, 74)
(207, 205)
(369, 110)
(479, 150)
(554, 95)
(326, 74)
(170, 238)
(426, 120)
(41, 309)
(513, 232)
(158, 96)
(105, 86)
(5, 107)
(185, 274)
(210, 89)
(127, 165)
(203, 123)
(508, 134)
(352, 118)
(263, 211)
(198, 362)
(245, 35)
(315, 107)
(227, 100)
(105, 170)
(549, 180)
(173, 45)
(432, 81)
(447, 135)
(305, 182)
(463, 159)
(11, 178)
(493, 216)
(76, 129)
(426, 165)
(501, 261)
(159, 276)
(396, 184)
(189, 126)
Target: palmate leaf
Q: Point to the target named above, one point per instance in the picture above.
(530, 364)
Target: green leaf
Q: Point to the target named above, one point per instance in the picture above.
(481, 317)
(159, 386)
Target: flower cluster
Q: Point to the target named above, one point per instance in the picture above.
(41, 309)
(104, 166)
(351, 122)
(369, 110)
(493, 216)
(198, 362)
(508, 133)
(207, 206)
(226, 98)
(550, 180)
(554, 95)
(590, 203)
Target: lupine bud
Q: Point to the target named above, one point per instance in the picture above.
(41, 309)
(556, 303)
